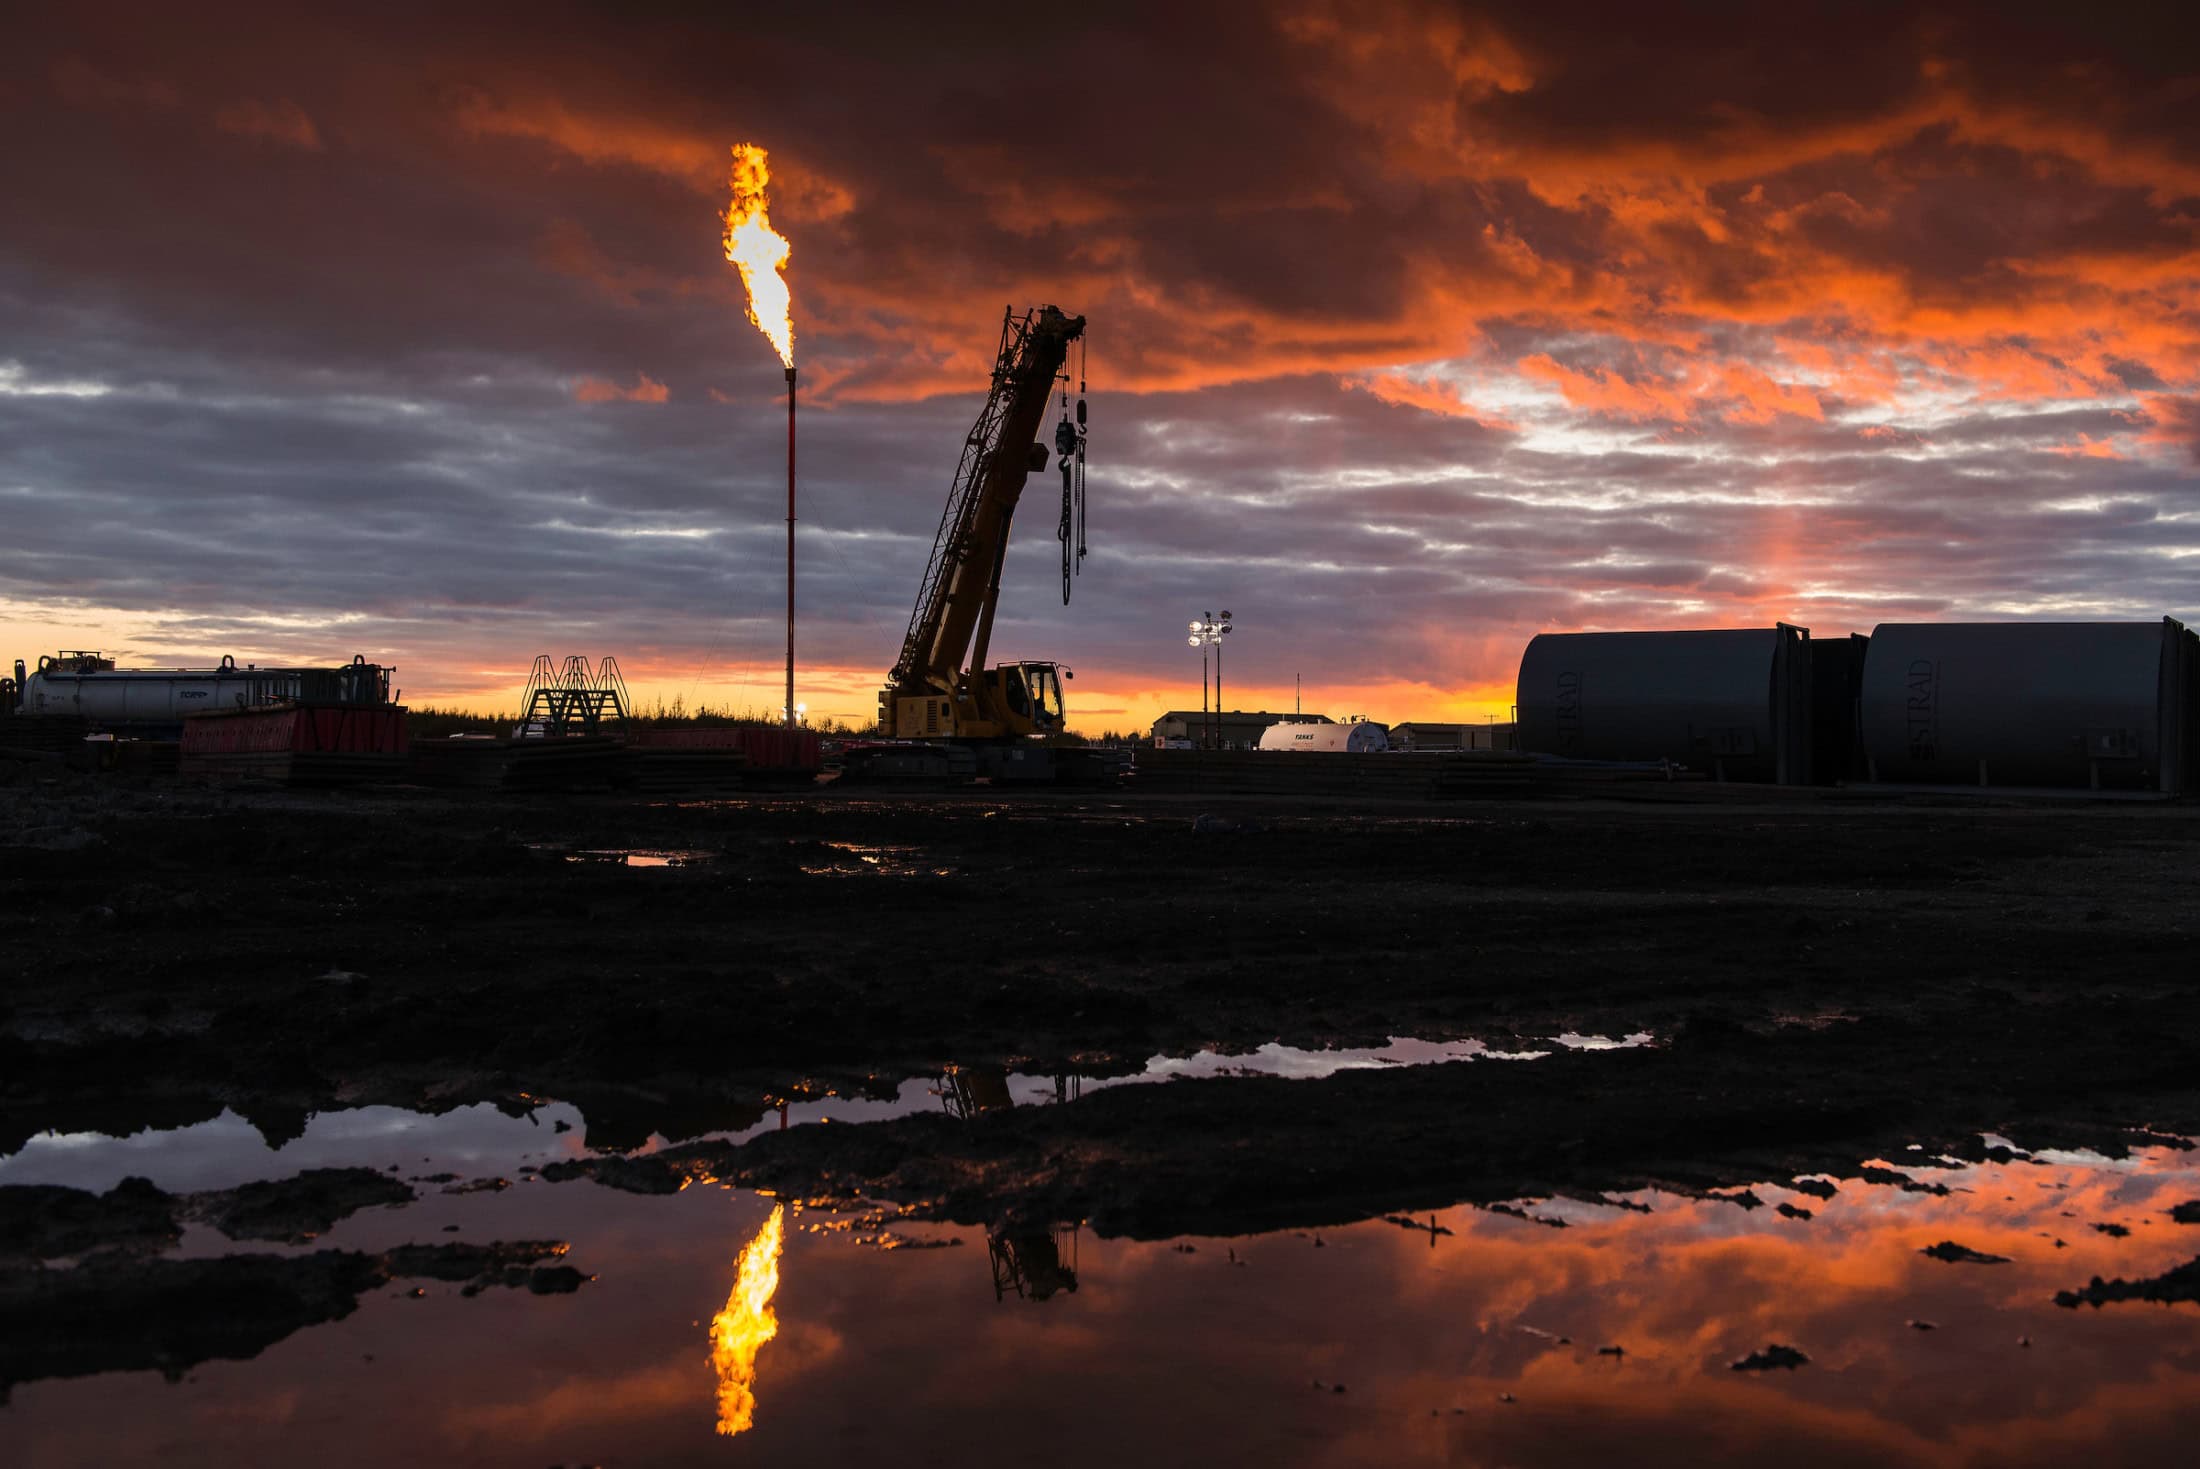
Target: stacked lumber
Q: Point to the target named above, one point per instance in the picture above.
(1402, 776)
(769, 755)
(577, 762)
(123, 757)
(294, 767)
(1418, 775)
(1487, 773)
(50, 733)
(673, 769)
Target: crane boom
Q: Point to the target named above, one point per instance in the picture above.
(942, 663)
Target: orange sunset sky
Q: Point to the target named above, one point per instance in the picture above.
(1416, 330)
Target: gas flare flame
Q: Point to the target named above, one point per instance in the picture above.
(737, 1332)
(759, 251)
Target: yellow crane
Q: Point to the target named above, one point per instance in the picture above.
(942, 712)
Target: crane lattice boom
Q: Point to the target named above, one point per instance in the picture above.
(962, 582)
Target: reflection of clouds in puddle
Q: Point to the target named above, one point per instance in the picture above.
(1575, 1040)
(1292, 1062)
(228, 1150)
(631, 856)
(1695, 1284)
(1311, 1065)
(918, 1094)
(880, 1351)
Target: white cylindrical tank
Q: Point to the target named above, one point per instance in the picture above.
(2083, 704)
(1734, 702)
(143, 696)
(1361, 737)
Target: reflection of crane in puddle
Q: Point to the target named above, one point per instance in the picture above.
(965, 1091)
(1030, 1260)
(1034, 1261)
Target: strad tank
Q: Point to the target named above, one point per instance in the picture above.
(2099, 705)
(1731, 702)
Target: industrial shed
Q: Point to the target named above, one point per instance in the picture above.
(1417, 735)
(1238, 729)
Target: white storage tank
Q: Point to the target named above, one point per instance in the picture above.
(2093, 705)
(82, 686)
(1356, 737)
(1731, 702)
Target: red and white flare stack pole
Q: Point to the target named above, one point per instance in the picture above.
(790, 548)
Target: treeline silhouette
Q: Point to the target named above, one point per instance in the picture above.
(431, 722)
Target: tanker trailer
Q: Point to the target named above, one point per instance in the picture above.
(1354, 736)
(88, 687)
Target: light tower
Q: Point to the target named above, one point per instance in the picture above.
(1208, 631)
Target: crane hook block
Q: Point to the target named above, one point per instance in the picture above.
(1065, 439)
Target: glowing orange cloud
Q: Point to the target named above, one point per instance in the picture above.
(1427, 394)
(1602, 391)
(646, 389)
(277, 122)
(594, 136)
(1817, 224)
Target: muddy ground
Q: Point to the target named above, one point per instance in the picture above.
(1828, 977)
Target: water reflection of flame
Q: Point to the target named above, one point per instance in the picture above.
(737, 1332)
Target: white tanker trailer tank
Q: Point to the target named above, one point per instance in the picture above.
(88, 687)
(1357, 737)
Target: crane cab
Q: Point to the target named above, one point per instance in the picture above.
(1019, 701)
(1031, 694)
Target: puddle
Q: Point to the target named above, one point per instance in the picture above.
(1466, 1336)
(480, 1139)
(1575, 1040)
(866, 857)
(1305, 1065)
(641, 859)
(229, 1150)
(626, 856)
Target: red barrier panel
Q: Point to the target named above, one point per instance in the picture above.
(240, 732)
(767, 749)
(290, 728)
(351, 730)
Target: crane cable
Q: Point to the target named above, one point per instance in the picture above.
(1069, 446)
(1083, 347)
